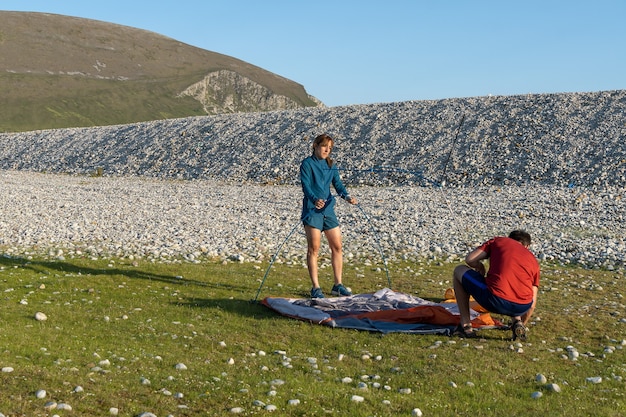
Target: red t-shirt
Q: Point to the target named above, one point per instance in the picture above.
(513, 270)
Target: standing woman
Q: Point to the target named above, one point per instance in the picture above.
(317, 174)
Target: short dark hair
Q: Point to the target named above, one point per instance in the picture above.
(521, 236)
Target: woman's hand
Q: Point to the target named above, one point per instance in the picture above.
(319, 204)
(352, 200)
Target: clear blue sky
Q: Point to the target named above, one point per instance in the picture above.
(372, 51)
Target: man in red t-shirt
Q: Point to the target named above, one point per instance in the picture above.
(509, 287)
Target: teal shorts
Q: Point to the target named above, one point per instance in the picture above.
(321, 220)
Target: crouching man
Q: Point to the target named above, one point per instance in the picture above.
(509, 287)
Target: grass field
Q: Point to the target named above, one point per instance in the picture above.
(183, 339)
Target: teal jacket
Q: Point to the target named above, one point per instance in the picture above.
(316, 178)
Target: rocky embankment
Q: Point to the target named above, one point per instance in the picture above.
(433, 179)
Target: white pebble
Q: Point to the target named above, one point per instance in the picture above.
(181, 367)
(541, 379)
(114, 411)
(7, 369)
(271, 407)
(553, 387)
(536, 395)
(64, 406)
(39, 316)
(594, 379)
(294, 402)
(357, 399)
(41, 394)
(416, 412)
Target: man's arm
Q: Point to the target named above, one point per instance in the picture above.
(474, 258)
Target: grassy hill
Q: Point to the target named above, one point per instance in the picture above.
(60, 71)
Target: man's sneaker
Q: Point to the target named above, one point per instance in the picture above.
(317, 293)
(465, 331)
(340, 290)
(519, 331)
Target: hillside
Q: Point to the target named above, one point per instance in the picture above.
(574, 139)
(60, 71)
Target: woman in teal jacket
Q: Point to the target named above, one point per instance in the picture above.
(317, 174)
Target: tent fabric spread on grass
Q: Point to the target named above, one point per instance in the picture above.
(384, 311)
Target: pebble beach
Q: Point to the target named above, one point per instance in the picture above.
(433, 180)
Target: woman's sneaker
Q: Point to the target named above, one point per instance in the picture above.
(340, 290)
(317, 293)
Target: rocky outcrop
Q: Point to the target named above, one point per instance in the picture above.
(229, 92)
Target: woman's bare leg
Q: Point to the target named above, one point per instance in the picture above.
(313, 240)
(336, 252)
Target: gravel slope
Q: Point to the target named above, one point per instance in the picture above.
(557, 139)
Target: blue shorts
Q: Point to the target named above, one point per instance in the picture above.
(321, 220)
(474, 284)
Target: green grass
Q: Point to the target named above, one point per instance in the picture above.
(143, 319)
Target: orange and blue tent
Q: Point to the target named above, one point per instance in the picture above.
(384, 311)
